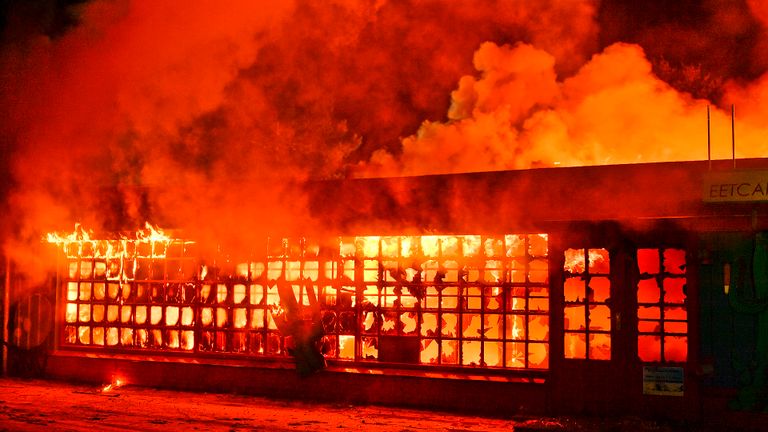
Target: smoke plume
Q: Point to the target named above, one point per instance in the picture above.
(208, 117)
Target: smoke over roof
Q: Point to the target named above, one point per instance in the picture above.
(203, 117)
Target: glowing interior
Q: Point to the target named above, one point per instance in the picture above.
(662, 321)
(459, 300)
(587, 310)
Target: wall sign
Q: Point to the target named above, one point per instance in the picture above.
(663, 380)
(735, 186)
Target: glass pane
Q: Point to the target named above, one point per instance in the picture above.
(538, 327)
(600, 346)
(470, 353)
(492, 327)
(648, 326)
(674, 290)
(470, 325)
(408, 322)
(674, 261)
(450, 324)
(493, 353)
(98, 335)
(675, 313)
(98, 313)
(648, 291)
(429, 324)
(675, 327)
(649, 348)
(574, 289)
(85, 291)
(84, 312)
(71, 312)
(601, 289)
(538, 271)
(599, 262)
(675, 348)
(429, 351)
(450, 352)
(648, 312)
(574, 261)
(515, 245)
(600, 318)
(539, 245)
(515, 355)
(171, 315)
(72, 290)
(538, 355)
(648, 261)
(574, 318)
(575, 346)
(515, 327)
(346, 347)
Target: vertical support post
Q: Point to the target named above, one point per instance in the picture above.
(733, 134)
(6, 309)
(59, 314)
(709, 142)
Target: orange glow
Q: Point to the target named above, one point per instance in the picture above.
(347, 347)
(587, 312)
(114, 385)
(470, 353)
(458, 316)
(575, 346)
(516, 355)
(429, 351)
(370, 348)
(430, 246)
(152, 234)
(661, 313)
(648, 261)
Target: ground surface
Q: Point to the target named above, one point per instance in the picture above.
(44, 405)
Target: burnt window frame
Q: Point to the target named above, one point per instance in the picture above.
(172, 277)
(586, 302)
(660, 276)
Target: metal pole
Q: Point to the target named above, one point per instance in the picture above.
(709, 142)
(733, 134)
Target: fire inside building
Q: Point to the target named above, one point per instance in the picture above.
(611, 289)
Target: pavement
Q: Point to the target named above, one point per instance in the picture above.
(37, 405)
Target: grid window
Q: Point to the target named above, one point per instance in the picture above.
(129, 294)
(458, 301)
(587, 309)
(662, 318)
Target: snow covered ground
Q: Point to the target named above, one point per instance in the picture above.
(37, 405)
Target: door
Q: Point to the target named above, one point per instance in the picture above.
(665, 297)
(622, 326)
(593, 338)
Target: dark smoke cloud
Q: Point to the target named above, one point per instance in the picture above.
(696, 46)
(206, 117)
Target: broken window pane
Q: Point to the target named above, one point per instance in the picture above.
(587, 312)
(465, 300)
(662, 312)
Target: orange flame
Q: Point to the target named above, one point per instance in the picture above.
(152, 233)
(115, 384)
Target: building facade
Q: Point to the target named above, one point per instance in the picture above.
(617, 289)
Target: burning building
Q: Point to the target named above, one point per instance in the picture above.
(628, 288)
(524, 242)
